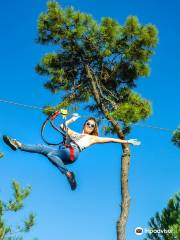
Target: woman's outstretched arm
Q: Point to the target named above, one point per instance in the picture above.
(74, 117)
(114, 140)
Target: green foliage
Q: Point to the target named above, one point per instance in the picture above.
(19, 196)
(169, 219)
(1, 155)
(176, 137)
(49, 109)
(14, 205)
(133, 109)
(117, 56)
(29, 222)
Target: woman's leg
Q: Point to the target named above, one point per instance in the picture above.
(36, 148)
(51, 153)
(57, 157)
(57, 161)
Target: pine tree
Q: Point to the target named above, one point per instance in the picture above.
(10, 232)
(98, 64)
(168, 221)
(176, 137)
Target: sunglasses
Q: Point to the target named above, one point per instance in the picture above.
(92, 125)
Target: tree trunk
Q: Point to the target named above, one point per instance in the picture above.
(125, 197)
(125, 160)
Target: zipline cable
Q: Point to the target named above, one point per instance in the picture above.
(86, 116)
(153, 127)
(21, 105)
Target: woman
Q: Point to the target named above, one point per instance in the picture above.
(67, 154)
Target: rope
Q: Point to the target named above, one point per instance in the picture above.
(21, 105)
(86, 116)
(154, 127)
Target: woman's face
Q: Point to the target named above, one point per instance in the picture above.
(89, 126)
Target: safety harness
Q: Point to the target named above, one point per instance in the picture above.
(63, 131)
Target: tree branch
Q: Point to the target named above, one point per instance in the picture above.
(101, 104)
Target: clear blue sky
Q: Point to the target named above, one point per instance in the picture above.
(91, 211)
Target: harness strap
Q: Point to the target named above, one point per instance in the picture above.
(54, 115)
(63, 131)
(51, 119)
(71, 149)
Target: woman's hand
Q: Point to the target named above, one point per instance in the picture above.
(134, 142)
(75, 116)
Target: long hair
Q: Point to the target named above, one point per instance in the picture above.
(95, 130)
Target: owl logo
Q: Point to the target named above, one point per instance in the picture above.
(139, 231)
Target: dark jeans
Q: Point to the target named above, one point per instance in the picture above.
(59, 157)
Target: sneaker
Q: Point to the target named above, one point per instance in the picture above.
(72, 181)
(12, 143)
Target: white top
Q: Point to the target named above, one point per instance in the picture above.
(82, 140)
